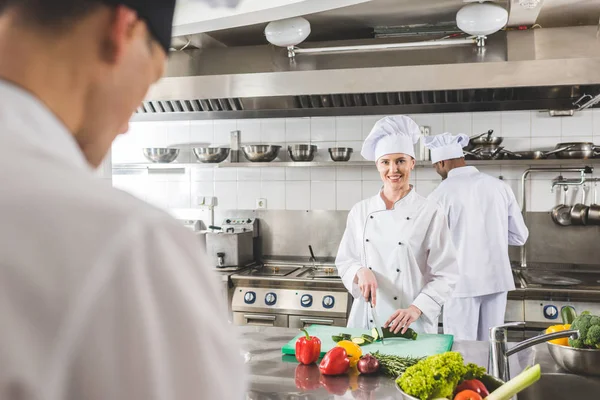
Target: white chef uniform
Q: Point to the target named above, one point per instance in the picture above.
(408, 248)
(101, 295)
(484, 218)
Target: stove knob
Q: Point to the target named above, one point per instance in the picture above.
(306, 300)
(328, 302)
(248, 221)
(270, 299)
(550, 312)
(228, 221)
(249, 297)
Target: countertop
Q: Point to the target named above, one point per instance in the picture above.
(274, 378)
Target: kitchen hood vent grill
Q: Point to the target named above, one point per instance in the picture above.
(194, 105)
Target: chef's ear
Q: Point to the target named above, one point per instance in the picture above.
(124, 24)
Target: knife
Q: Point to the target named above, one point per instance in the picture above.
(375, 319)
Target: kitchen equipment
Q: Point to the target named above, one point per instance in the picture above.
(561, 214)
(488, 152)
(232, 245)
(577, 150)
(579, 212)
(261, 152)
(594, 209)
(340, 153)
(160, 154)
(489, 382)
(576, 361)
(486, 139)
(533, 155)
(302, 152)
(425, 345)
(211, 154)
(376, 320)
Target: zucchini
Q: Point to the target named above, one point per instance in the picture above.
(346, 336)
(374, 333)
(368, 338)
(358, 340)
(568, 315)
(337, 338)
(409, 334)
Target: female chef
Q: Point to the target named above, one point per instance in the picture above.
(397, 248)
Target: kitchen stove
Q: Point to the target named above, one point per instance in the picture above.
(271, 270)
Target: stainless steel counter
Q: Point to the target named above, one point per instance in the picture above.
(274, 377)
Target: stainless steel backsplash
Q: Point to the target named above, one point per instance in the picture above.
(288, 233)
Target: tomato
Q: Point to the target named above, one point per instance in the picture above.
(467, 395)
(354, 351)
(475, 385)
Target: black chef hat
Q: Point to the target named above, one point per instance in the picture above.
(158, 15)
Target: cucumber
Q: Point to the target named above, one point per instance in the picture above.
(346, 336)
(358, 340)
(337, 338)
(368, 338)
(409, 334)
(568, 314)
(374, 333)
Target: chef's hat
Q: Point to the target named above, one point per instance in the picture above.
(446, 146)
(391, 135)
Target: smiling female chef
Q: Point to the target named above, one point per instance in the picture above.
(397, 246)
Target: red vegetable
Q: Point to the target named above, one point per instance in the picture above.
(368, 364)
(308, 349)
(335, 362)
(307, 377)
(467, 395)
(337, 385)
(475, 385)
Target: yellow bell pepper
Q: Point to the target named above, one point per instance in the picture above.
(559, 328)
(354, 351)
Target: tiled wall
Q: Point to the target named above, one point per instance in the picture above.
(331, 188)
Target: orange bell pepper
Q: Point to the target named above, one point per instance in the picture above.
(559, 328)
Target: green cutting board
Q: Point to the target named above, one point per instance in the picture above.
(425, 345)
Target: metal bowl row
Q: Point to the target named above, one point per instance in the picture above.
(253, 153)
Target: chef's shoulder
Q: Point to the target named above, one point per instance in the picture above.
(499, 185)
(365, 207)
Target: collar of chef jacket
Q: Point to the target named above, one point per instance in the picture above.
(25, 117)
(380, 203)
(462, 171)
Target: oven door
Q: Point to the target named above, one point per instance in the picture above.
(258, 319)
(299, 322)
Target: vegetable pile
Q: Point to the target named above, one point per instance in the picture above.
(375, 336)
(589, 331)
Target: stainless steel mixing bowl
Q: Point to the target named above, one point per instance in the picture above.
(302, 152)
(576, 361)
(211, 154)
(161, 154)
(261, 152)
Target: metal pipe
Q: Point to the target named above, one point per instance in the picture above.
(292, 50)
(524, 198)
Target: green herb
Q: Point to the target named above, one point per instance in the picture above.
(394, 366)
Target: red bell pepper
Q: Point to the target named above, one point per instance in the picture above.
(307, 377)
(335, 362)
(308, 349)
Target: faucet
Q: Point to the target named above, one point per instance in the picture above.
(498, 356)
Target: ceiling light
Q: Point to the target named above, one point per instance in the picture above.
(287, 32)
(480, 19)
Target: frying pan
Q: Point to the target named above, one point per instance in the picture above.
(594, 210)
(579, 212)
(486, 139)
(578, 150)
(534, 155)
(561, 214)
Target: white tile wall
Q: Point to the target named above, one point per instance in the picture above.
(303, 188)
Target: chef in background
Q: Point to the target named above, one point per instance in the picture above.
(484, 218)
(396, 249)
(102, 296)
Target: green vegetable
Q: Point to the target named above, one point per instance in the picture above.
(337, 338)
(346, 336)
(394, 366)
(375, 333)
(568, 315)
(409, 334)
(589, 331)
(368, 339)
(358, 340)
(437, 376)
(516, 384)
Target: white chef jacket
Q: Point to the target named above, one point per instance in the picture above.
(101, 295)
(410, 251)
(484, 218)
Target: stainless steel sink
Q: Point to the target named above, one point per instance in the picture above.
(562, 386)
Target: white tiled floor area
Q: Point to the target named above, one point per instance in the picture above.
(335, 188)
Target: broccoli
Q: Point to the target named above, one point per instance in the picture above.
(437, 376)
(589, 331)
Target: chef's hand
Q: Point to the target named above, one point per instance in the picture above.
(367, 284)
(401, 319)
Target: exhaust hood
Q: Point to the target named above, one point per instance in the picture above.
(547, 68)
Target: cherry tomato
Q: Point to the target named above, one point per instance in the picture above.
(467, 395)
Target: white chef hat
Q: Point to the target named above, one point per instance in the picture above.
(391, 135)
(446, 146)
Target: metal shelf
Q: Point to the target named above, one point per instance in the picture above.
(320, 164)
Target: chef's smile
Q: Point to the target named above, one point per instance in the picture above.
(395, 169)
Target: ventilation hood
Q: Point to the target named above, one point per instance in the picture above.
(546, 68)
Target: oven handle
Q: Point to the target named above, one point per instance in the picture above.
(317, 321)
(258, 317)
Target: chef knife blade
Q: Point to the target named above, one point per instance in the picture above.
(375, 320)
